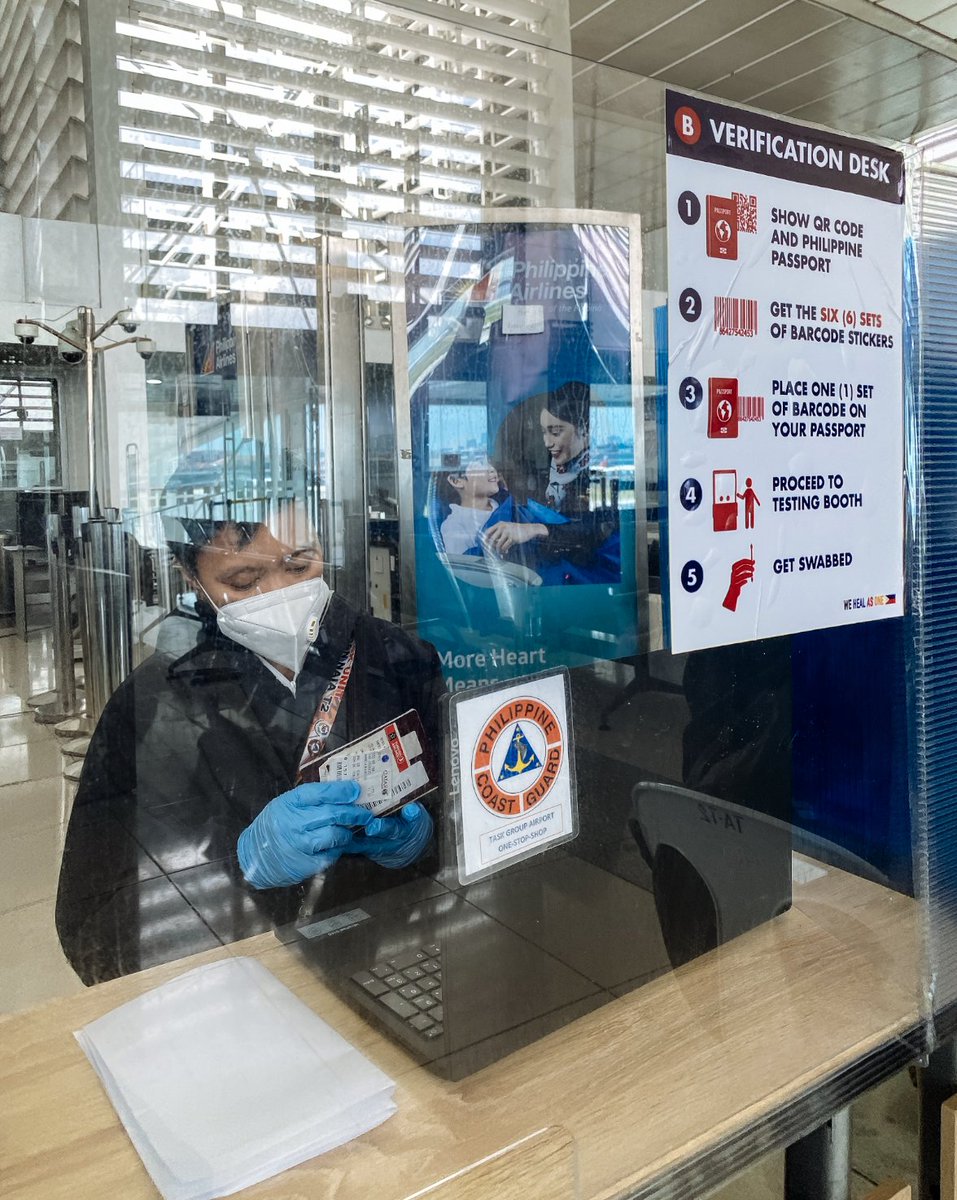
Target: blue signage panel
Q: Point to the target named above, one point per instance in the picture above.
(521, 341)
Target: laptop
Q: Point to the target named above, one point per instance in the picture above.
(462, 976)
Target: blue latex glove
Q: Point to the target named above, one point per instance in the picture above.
(301, 833)
(398, 840)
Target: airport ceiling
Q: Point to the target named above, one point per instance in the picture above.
(885, 70)
(852, 64)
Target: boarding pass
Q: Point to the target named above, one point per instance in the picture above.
(392, 764)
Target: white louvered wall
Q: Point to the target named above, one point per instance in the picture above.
(247, 129)
(43, 147)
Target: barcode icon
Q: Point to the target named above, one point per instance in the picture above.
(738, 318)
(750, 408)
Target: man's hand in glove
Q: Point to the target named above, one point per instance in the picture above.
(302, 832)
(395, 841)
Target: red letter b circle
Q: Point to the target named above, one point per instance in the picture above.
(687, 125)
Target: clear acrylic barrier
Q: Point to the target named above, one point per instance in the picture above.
(752, 925)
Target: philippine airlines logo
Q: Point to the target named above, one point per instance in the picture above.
(687, 125)
(517, 756)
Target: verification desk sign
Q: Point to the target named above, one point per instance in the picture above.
(785, 382)
(513, 772)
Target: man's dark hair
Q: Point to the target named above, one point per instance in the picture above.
(201, 532)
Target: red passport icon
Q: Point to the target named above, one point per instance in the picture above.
(722, 408)
(722, 228)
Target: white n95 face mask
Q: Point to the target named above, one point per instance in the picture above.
(280, 625)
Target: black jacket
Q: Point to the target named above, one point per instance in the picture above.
(185, 755)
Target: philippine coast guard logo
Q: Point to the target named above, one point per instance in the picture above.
(517, 756)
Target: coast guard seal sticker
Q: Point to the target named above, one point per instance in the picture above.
(511, 763)
(517, 756)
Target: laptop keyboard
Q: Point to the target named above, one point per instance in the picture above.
(409, 986)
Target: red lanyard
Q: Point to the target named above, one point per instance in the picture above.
(326, 713)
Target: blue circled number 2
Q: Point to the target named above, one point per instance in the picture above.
(689, 304)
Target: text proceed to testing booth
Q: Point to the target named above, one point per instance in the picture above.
(785, 383)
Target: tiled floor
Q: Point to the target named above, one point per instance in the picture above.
(34, 807)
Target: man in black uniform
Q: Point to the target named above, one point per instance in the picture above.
(195, 760)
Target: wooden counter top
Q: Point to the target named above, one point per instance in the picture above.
(627, 1094)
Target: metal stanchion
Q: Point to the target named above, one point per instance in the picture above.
(61, 702)
(7, 607)
(16, 558)
(121, 604)
(81, 725)
(95, 608)
(104, 581)
(168, 581)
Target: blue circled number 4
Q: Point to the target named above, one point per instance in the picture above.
(690, 493)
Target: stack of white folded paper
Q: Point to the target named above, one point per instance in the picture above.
(223, 1078)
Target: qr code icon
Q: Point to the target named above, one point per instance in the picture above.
(747, 212)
